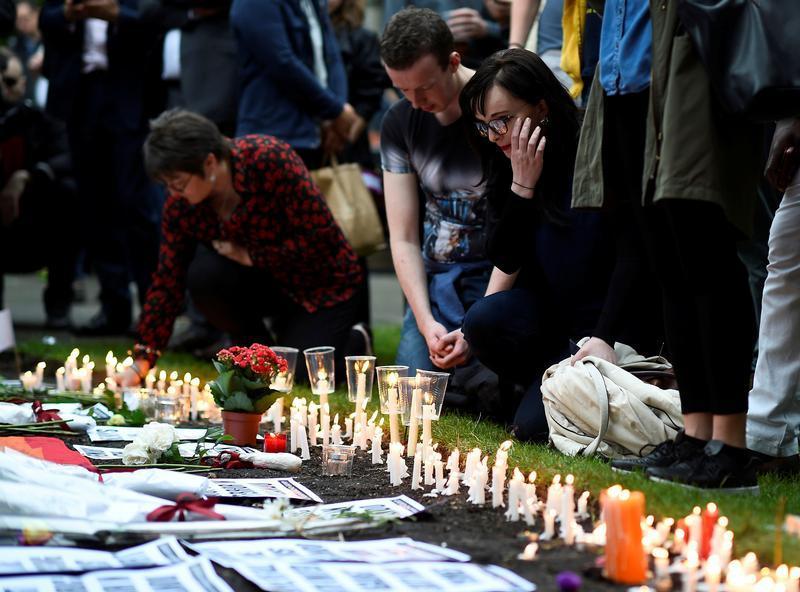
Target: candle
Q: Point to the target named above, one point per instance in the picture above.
(438, 465)
(529, 554)
(275, 442)
(312, 422)
(527, 507)
(279, 382)
(549, 524)
(516, 493)
(294, 442)
(708, 521)
(301, 436)
(111, 364)
(376, 447)
(691, 564)
(480, 479)
(60, 385)
(391, 401)
(711, 573)
(553, 501)
(28, 380)
(326, 424)
(622, 511)
(568, 509)
(428, 459)
(694, 525)
(397, 466)
(428, 414)
(679, 541)
(414, 417)
(361, 385)
(750, 563)
(453, 482)
(348, 426)
(583, 503)
(40, 374)
(162, 381)
(86, 378)
(661, 564)
(498, 486)
(194, 398)
(416, 473)
(336, 433)
(794, 580)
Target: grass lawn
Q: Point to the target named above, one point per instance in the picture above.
(754, 519)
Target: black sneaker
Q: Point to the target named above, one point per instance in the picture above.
(720, 467)
(665, 454)
(781, 466)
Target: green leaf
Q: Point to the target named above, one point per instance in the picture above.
(172, 454)
(221, 368)
(238, 401)
(263, 403)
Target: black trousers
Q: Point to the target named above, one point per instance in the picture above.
(44, 235)
(236, 299)
(510, 333)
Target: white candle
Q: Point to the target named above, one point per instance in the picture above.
(695, 525)
(162, 381)
(414, 417)
(567, 509)
(194, 399)
(348, 426)
(312, 422)
(691, 565)
(301, 436)
(549, 524)
(361, 385)
(480, 478)
(150, 380)
(428, 468)
(794, 580)
(498, 486)
(711, 573)
(583, 504)
(516, 493)
(416, 473)
(40, 374)
(398, 469)
(336, 434)
(428, 414)
(28, 380)
(392, 403)
(60, 386)
(529, 553)
(661, 564)
(376, 447)
(86, 379)
(438, 465)
(294, 441)
(453, 482)
(277, 416)
(326, 424)
(323, 386)
(452, 460)
(554, 495)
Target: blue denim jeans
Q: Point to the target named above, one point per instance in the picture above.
(412, 350)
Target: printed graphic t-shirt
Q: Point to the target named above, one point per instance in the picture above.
(449, 174)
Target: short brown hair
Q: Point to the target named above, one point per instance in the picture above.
(413, 33)
(350, 14)
(179, 142)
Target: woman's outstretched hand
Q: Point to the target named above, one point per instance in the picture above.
(527, 156)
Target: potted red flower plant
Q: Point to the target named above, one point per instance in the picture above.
(242, 388)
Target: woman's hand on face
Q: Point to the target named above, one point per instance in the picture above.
(233, 252)
(527, 156)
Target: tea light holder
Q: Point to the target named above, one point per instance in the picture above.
(437, 389)
(411, 408)
(283, 382)
(337, 460)
(321, 371)
(167, 409)
(360, 374)
(274, 442)
(387, 379)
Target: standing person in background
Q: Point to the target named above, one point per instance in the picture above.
(27, 44)
(292, 81)
(96, 54)
(479, 27)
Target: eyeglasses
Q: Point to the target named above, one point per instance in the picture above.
(499, 126)
(10, 80)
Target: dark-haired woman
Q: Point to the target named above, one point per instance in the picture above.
(246, 231)
(552, 264)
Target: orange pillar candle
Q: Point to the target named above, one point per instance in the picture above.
(625, 558)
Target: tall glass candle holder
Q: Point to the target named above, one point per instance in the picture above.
(387, 379)
(284, 381)
(360, 374)
(337, 460)
(413, 390)
(438, 388)
(321, 371)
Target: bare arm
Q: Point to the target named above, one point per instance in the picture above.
(500, 281)
(402, 212)
(523, 13)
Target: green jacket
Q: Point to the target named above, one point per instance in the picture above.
(692, 151)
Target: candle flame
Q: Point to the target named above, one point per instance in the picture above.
(614, 491)
(723, 522)
(570, 479)
(506, 445)
(518, 476)
(782, 572)
(336, 418)
(711, 507)
(75, 353)
(625, 495)
(557, 479)
(380, 423)
(86, 359)
(660, 553)
(187, 378)
(41, 365)
(61, 371)
(195, 381)
(391, 379)
(532, 477)
(173, 375)
(162, 375)
(696, 510)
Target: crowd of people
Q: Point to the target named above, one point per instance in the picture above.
(551, 174)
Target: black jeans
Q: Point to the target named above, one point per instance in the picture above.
(236, 299)
(509, 332)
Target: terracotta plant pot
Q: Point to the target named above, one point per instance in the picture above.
(242, 426)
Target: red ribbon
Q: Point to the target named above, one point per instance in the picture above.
(186, 502)
(49, 415)
(228, 460)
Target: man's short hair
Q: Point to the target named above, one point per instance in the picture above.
(179, 142)
(413, 33)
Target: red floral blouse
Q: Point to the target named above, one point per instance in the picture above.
(282, 221)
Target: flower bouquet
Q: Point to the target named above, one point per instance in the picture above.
(242, 388)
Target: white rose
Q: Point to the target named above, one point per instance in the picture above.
(135, 454)
(116, 420)
(158, 436)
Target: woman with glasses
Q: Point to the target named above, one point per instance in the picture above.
(245, 229)
(553, 264)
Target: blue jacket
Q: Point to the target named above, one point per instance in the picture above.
(279, 94)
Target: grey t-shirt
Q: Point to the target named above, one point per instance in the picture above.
(449, 174)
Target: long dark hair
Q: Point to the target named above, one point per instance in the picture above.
(525, 76)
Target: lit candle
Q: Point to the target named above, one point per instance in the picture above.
(568, 510)
(661, 564)
(326, 424)
(480, 480)
(60, 385)
(750, 563)
(679, 541)
(708, 521)
(528, 511)
(498, 486)
(516, 494)
(312, 422)
(711, 573)
(361, 385)
(428, 415)
(40, 374)
(86, 378)
(194, 398)
(416, 473)
(398, 469)
(622, 512)
(294, 441)
(336, 432)
(794, 580)
(414, 415)
(28, 380)
(391, 402)
(376, 447)
(694, 524)
(111, 364)
(553, 501)
(162, 381)
(301, 435)
(690, 566)
(275, 442)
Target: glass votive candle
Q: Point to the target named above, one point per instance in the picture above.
(337, 460)
(360, 374)
(438, 388)
(387, 379)
(166, 409)
(148, 403)
(413, 391)
(321, 369)
(284, 381)
(274, 442)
